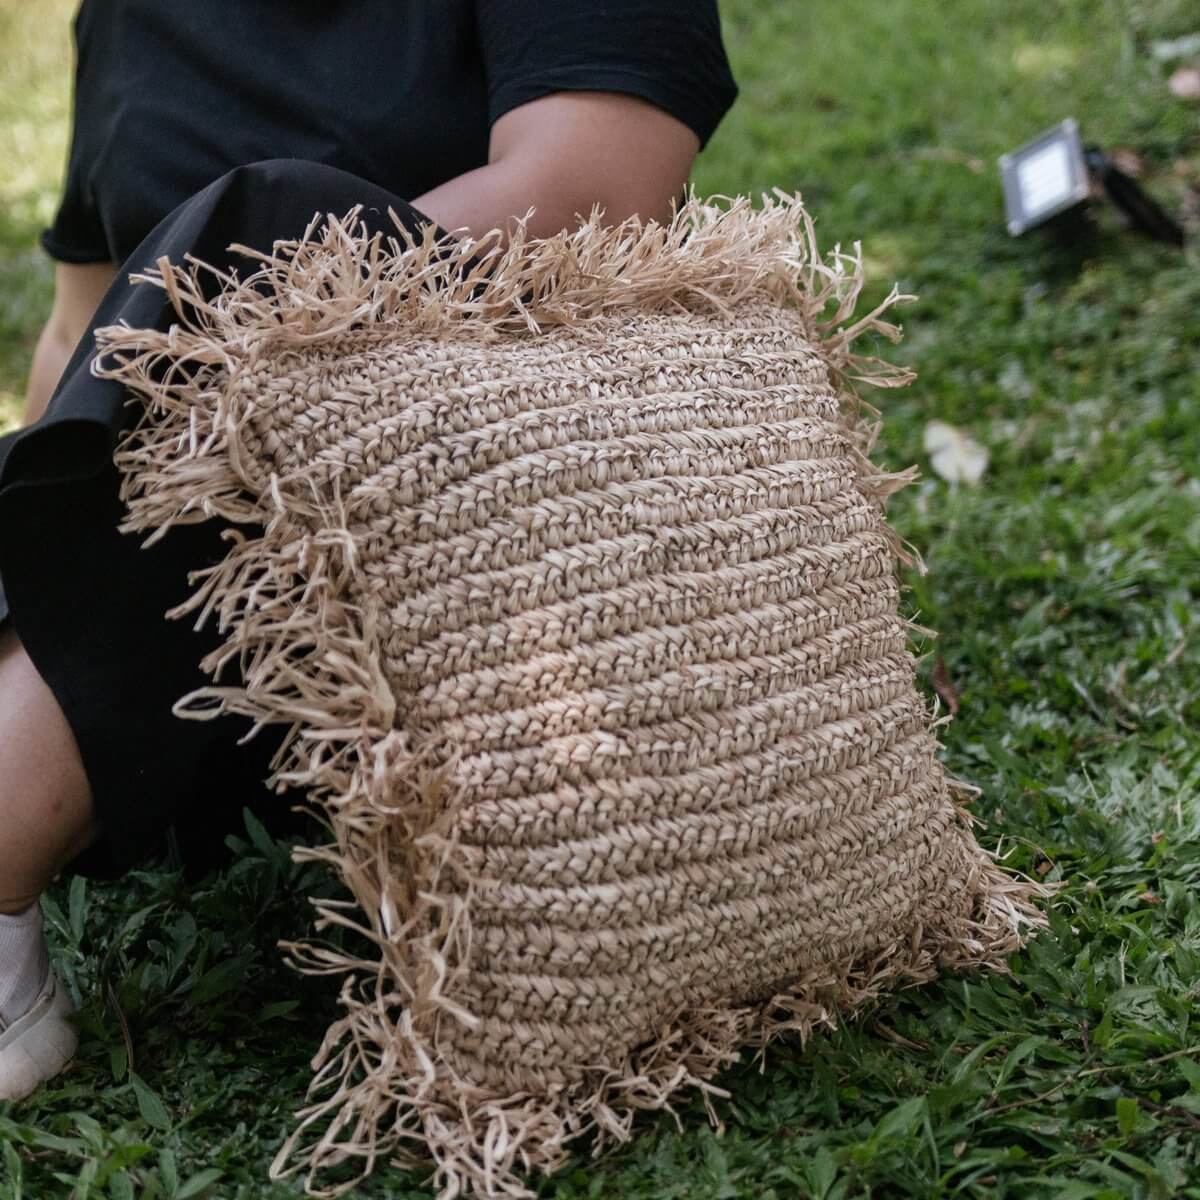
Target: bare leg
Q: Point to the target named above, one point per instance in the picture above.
(46, 815)
(45, 820)
(78, 289)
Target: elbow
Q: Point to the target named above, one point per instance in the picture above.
(574, 153)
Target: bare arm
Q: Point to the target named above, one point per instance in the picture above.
(559, 155)
(78, 288)
(565, 153)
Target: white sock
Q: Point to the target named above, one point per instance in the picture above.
(24, 962)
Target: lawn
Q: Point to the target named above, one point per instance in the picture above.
(1064, 586)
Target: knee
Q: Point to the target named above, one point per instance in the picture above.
(46, 811)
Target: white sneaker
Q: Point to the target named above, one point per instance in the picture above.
(35, 1047)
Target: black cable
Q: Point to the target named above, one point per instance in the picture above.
(1143, 212)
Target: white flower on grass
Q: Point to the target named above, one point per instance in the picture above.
(954, 454)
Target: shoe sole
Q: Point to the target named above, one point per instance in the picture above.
(38, 1046)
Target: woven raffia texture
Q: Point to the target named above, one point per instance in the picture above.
(567, 569)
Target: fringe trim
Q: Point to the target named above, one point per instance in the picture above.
(483, 1144)
(382, 1087)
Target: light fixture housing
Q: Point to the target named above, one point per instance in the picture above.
(1045, 177)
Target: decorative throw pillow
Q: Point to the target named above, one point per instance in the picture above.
(566, 567)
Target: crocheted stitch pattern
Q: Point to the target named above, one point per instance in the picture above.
(566, 568)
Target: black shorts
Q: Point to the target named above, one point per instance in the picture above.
(88, 602)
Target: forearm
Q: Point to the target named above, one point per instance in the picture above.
(492, 197)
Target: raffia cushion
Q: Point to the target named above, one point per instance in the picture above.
(567, 570)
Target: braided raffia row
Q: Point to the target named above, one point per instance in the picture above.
(565, 565)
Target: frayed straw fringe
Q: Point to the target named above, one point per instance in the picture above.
(306, 658)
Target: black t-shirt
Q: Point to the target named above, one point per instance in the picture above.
(172, 94)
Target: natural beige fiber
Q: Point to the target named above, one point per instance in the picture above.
(566, 568)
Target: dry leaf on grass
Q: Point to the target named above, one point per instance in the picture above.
(954, 454)
(1185, 83)
(944, 685)
(1129, 161)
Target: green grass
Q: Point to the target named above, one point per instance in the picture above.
(35, 94)
(1064, 587)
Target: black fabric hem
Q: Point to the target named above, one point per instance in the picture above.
(673, 101)
(62, 252)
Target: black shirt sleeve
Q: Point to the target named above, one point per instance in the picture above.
(668, 52)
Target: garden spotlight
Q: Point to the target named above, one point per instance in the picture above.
(1055, 175)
